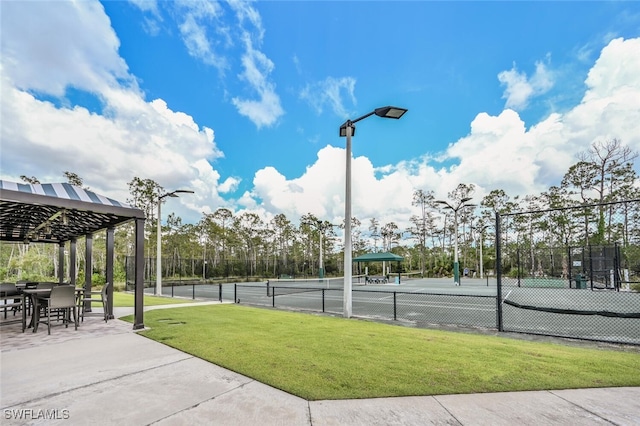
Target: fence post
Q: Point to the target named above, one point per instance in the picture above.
(498, 275)
(220, 292)
(570, 262)
(193, 291)
(235, 293)
(591, 266)
(323, 300)
(616, 265)
(518, 264)
(395, 311)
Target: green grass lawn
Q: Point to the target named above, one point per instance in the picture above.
(125, 300)
(320, 357)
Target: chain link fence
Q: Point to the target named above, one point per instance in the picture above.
(421, 308)
(177, 271)
(571, 272)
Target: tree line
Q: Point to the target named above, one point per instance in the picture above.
(603, 174)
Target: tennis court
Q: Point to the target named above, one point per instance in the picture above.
(560, 311)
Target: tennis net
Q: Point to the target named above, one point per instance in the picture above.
(283, 286)
(406, 276)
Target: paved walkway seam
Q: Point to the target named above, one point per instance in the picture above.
(446, 409)
(583, 408)
(197, 404)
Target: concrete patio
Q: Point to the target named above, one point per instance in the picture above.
(108, 374)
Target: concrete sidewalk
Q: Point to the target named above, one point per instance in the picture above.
(107, 374)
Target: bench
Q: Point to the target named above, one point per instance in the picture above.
(376, 280)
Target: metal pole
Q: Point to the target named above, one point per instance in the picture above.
(481, 259)
(159, 252)
(456, 265)
(499, 275)
(321, 266)
(347, 228)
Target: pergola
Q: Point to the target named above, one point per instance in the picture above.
(380, 257)
(58, 213)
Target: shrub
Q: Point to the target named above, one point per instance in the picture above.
(97, 279)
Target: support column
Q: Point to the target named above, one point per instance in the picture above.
(72, 261)
(60, 262)
(109, 272)
(139, 277)
(88, 269)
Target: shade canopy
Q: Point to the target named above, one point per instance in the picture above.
(57, 212)
(379, 257)
(60, 213)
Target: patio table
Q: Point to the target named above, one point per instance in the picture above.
(37, 293)
(34, 294)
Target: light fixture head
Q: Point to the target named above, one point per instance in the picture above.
(390, 112)
(343, 129)
(174, 194)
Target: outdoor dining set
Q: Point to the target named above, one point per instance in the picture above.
(48, 303)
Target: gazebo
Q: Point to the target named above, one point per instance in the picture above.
(58, 213)
(380, 257)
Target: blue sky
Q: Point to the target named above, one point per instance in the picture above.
(242, 101)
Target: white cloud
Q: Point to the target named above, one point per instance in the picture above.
(198, 17)
(229, 185)
(73, 44)
(210, 38)
(331, 92)
(520, 89)
(49, 49)
(133, 137)
(267, 109)
(615, 71)
(147, 6)
(498, 153)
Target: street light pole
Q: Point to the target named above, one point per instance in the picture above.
(159, 232)
(481, 231)
(347, 301)
(320, 265)
(348, 130)
(456, 264)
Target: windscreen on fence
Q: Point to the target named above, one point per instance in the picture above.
(571, 272)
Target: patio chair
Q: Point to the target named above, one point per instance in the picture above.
(94, 297)
(12, 299)
(39, 286)
(6, 291)
(61, 300)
